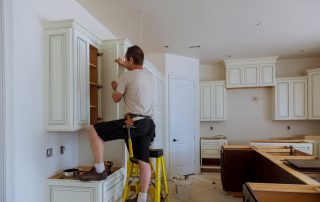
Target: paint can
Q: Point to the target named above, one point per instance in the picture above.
(183, 188)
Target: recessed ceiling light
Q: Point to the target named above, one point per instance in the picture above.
(194, 46)
(259, 24)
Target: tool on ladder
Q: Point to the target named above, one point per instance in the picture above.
(157, 178)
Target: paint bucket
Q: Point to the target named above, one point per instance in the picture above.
(183, 188)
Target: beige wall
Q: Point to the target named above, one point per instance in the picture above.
(249, 119)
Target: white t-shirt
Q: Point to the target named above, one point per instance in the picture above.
(137, 87)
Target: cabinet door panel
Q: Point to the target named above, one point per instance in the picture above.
(283, 106)
(81, 81)
(234, 77)
(67, 194)
(251, 75)
(314, 96)
(266, 75)
(219, 102)
(206, 110)
(58, 80)
(299, 96)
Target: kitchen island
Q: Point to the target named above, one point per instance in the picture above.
(252, 169)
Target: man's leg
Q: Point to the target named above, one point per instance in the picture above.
(145, 176)
(97, 145)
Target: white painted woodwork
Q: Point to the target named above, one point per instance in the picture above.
(213, 101)
(251, 75)
(67, 75)
(113, 49)
(182, 126)
(66, 190)
(304, 147)
(210, 149)
(290, 96)
(267, 74)
(234, 75)
(252, 72)
(299, 99)
(3, 160)
(314, 94)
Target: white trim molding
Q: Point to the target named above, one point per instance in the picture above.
(2, 102)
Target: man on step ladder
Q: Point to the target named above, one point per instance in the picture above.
(136, 87)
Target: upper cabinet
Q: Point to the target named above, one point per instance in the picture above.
(213, 101)
(290, 98)
(70, 51)
(253, 72)
(314, 94)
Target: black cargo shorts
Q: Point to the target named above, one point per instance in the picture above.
(142, 135)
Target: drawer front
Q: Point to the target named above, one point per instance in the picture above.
(210, 153)
(70, 193)
(213, 143)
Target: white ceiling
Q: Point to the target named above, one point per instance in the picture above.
(238, 28)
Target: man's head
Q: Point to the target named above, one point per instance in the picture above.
(134, 56)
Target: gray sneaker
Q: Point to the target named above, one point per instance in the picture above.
(92, 175)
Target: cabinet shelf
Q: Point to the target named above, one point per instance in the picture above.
(96, 84)
(92, 65)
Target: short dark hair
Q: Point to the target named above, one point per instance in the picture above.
(136, 53)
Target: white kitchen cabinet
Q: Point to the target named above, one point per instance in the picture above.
(250, 75)
(267, 74)
(67, 81)
(314, 94)
(213, 101)
(210, 152)
(66, 190)
(253, 72)
(306, 147)
(290, 98)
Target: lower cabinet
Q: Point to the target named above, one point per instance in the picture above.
(67, 190)
(306, 147)
(210, 152)
(248, 196)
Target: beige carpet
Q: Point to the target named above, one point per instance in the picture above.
(203, 189)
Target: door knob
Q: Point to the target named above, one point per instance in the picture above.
(174, 140)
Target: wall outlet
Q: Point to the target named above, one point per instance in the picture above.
(288, 127)
(62, 148)
(211, 127)
(49, 152)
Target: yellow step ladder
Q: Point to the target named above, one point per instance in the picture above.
(158, 175)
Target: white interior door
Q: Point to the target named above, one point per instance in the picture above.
(2, 148)
(182, 126)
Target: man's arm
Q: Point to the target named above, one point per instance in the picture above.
(116, 96)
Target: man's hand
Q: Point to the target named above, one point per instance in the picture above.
(114, 85)
(120, 62)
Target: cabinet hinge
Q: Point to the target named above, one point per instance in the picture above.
(99, 54)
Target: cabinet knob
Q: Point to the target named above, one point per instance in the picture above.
(174, 140)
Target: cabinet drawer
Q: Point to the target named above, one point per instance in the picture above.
(210, 153)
